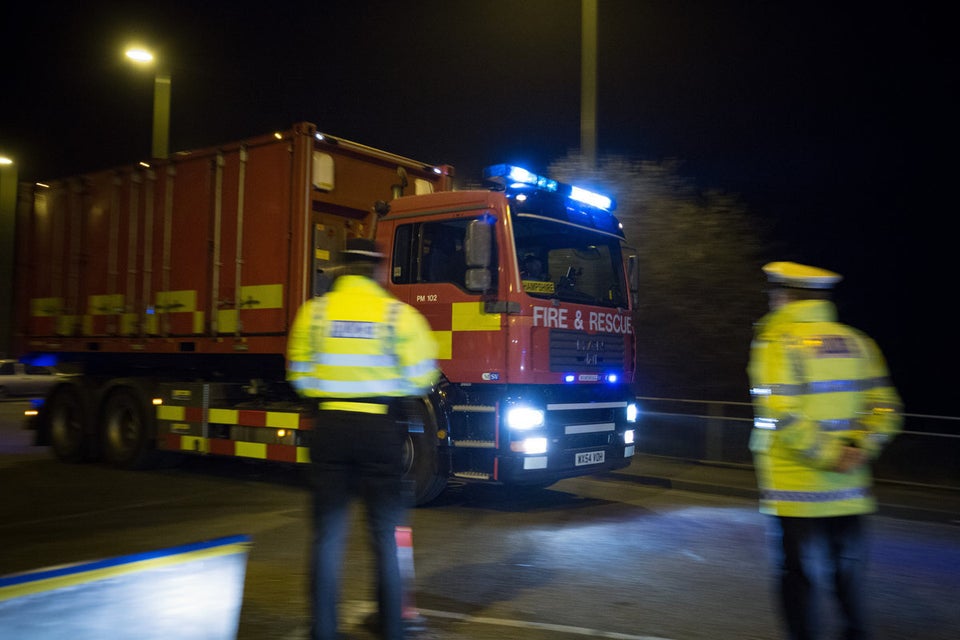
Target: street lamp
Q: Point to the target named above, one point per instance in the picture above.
(8, 212)
(588, 81)
(161, 101)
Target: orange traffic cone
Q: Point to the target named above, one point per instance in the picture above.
(411, 617)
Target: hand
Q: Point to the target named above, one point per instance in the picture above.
(850, 458)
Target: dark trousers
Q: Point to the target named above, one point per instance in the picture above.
(356, 455)
(802, 544)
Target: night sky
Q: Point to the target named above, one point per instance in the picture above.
(836, 123)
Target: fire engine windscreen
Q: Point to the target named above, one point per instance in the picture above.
(561, 260)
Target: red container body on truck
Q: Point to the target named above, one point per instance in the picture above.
(166, 292)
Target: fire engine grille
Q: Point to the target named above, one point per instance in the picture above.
(578, 351)
(586, 440)
(584, 424)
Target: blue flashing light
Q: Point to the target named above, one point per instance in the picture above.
(609, 378)
(518, 178)
(522, 177)
(40, 359)
(513, 177)
(593, 199)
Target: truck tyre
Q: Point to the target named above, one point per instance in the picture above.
(125, 436)
(69, 436)
(422, 471)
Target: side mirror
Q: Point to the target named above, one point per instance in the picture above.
(633, 279)
(478, 244)
(478, 249)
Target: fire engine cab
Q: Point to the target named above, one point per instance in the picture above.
(528, 292)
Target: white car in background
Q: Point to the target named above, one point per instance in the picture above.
(25, 380)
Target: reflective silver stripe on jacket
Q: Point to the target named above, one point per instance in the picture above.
(772, 424)
(815, 496)
(879, 439)
(834, 386)
(765, 423)
(355, 360)
(841, 424)
(821, 386)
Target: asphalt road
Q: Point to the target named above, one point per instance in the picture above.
(602, 557)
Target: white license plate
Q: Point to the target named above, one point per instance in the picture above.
(590, 457)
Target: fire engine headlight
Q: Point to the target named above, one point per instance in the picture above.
(628, 436)
(524, 418)
(530, 446)
(535, 445)
(633, 411)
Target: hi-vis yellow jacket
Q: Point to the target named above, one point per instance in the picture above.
(357, 341)
(816, 385)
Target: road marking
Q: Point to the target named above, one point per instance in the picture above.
(355, 611)
(691, 554)
(523, 624)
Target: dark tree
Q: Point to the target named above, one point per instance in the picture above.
(701, 288)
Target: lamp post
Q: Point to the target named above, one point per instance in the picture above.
(588, 81)
(8, 211)
(161, 102)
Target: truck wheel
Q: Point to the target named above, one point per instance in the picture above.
(67, 420)
(125, 437)
(422, 471)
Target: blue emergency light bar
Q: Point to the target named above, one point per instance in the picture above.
(609, 378)
(512, 177)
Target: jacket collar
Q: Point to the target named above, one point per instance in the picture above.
(799, 311)
(355, 283)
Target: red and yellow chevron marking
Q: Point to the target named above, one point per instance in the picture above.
(261, 435)
(460, 322)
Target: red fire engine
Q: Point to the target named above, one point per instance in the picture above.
(166, 289)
